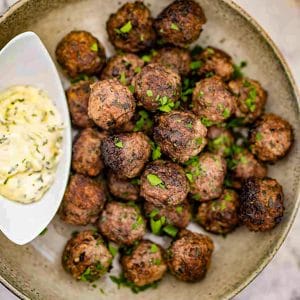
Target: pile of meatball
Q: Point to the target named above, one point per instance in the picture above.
(166, 135)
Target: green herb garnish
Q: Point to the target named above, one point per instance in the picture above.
(174, 26)
(155, 181)
(170, 230)
(94, 47)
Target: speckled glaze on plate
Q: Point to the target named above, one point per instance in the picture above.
(34, 271)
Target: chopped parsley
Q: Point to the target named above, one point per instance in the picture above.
(194, 65)
(174, 27)
(123, 78)
(258, 136)
(179, 209)
(156, 225)
(206, 122)
(144, 122)
(94, 47)
(139, 221)
(237, 73)
(170, 230)
(126, 28)
(113, 250)
(156, 153)
(166, 104)
(118, 143)
(226, 113)
(155, 181)
(153, 248)
(189, 177)
(251, 99)
(149, 93)
(137, 70)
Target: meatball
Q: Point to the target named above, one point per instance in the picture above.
(164, 183)
(189, 256)
(84, 199)
(122, 223)
(212, 101)
(122, 67)
(86, 158)
(126, 153)
(261, 206)
(215, 61)
(111, 104)
(130, 28)
(180, 135)
(271, 138)
(78, 99)
(145, 264)
(86, 257)
(178, 215)
(177, 59)
(123, 188)
(157, 87)
(221, 215)
(180, 23)
(79, 52)
(220, 140)
(206, 174)
(251, 99)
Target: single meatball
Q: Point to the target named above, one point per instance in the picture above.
(177, 59)
(212, 101)
(84, 199)
(86, 158)
(130, 28)
(215, 61)
(122, 223)
(251, 99)
(261, 206)
(79, 52)
(123, 188)
(157, 87)
(178, 215)
(126, 153)
(189, 256)
(122, 67)
(78, 99)
(145, 264)
(164, 183)
(221, 215)
(220, 140)
(111, 104)
(180, 23)
(86, 257)
(180, 135)
(271, 138)
(206, 174)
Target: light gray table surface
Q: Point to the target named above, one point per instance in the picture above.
(280, 280)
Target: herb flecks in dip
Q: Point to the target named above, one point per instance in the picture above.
(30, 143)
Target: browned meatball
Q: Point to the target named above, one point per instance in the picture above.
(86, 158)
(122, 67)
(111, 104)
(177, 59)
(221, 215)
(78, 99)
(145, 264)
(122, 223)
(251, 99)
(79, 52)
(176, 215)
(180, 23)
(86, 257)
(122, 188)
(126, 153)
(157, 87)
(271, 138)
(84, 199)
(261, 204)
(212, 101)
(180, 135)
(164, 183)
(215, 61)
(220, 140)
(130, 28)
(206, 174)
(189, 256)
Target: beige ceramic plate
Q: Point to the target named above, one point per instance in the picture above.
(34, 271)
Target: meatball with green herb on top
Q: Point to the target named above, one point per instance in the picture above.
(79, 53)
(157, 88)
(130, 27)
(164, 183)
(122, 223)
(261, 206)
(180, 23)
(220, 216)
(145, 265)
(111, 104)
(86, 257)
(189, 256)
(126, 153)
(180, 135)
